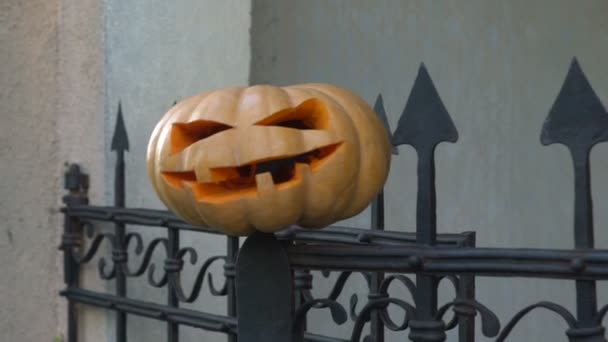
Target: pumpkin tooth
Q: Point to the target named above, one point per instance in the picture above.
(189, 188)
(264, 183)
(302, 170)
(301, 173)
(203, 174)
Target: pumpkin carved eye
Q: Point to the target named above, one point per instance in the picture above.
(295, 123)
(186, 134)
(310, 114)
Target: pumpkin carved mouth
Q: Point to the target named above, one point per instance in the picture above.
(246, 179)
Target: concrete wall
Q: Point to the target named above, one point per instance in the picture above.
(498, 67)
(29, 59)
(51, 112)
(158, 52)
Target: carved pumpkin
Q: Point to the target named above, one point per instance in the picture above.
(264, 158)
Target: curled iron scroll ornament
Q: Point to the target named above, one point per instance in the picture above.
(558, 309)
(381, 301)
(72, 245)
(601, 314)
(174, 266)
(452, 323)
(490, 325)
(338, 314)
(376, 301)
(139, 249)
(381, 304)
(331, 300)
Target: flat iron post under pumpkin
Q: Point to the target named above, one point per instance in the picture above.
(264, 291)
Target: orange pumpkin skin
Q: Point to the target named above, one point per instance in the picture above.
(264, 158)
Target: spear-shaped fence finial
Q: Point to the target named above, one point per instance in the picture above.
(578, 120)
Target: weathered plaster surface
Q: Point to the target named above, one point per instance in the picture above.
(80, 112)
(498, 66)
(50, 99)
(29, 168)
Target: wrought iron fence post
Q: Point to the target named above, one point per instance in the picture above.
(376, 325)
(377, 223)
(425, 327)
(578, 120)
(76, 183)
(232, 252)
(264, 291)
(466, 291)
(172, 300)
(424, 124)
(588, 329)
(120, 144)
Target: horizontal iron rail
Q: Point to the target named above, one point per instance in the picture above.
(143, 217)
(333, 234)
(516, 262)
(308, 337)
(192, 318)
(359, 236)
(197, 319)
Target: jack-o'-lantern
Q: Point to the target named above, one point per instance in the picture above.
(264, 158)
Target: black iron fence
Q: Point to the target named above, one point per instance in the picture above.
(275, 308)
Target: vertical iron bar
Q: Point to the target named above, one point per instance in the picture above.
(77, 184)
(588, 329)
(466, 314)
(579, 121)
(424, 123)
(376, 326)
(586, 297)
(121, 282)
(303, 284)
(172, 300)
(426, 203)
(71, 276)
(232, 251)
(120, 144)
(173, 241)
(425, 327)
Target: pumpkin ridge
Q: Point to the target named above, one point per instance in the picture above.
(371, 122)
(302, 95)
(159, 132)
(338, 206)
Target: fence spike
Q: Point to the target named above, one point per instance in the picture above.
(425, 120)
(120, 139)
(577, 118)
(381, 112)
